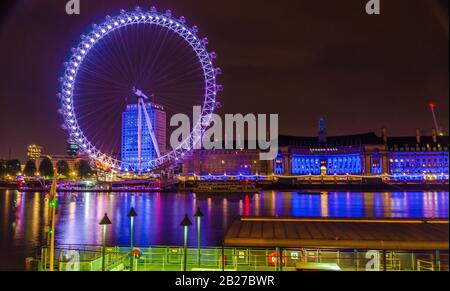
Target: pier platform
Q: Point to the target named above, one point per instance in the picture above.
(281, 244)
(386, 234)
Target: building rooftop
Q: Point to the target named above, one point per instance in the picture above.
(411, 141)
(148, 105)
(359, 140)
(331, 141)
(339, 234)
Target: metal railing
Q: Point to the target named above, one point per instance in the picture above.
(161, 258)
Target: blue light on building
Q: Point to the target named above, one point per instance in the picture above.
(377, 168)
(279, 166)
(419, 166)
(360, 158)
(327, 164)
(129, 153)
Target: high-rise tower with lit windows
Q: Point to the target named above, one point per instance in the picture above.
(130, 147)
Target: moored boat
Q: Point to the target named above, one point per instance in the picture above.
(226, 188)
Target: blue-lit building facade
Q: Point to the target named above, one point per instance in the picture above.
(129, 149)
(345, 155)
(417, 158)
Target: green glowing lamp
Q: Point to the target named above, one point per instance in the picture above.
(104, 222)
(185, 223)
(199, 216)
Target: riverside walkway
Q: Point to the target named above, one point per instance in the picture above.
(283, 244)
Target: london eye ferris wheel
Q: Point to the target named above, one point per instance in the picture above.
(125, 78)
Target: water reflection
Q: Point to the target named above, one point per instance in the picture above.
(24, 216)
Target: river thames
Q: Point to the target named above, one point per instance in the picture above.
(24, 215)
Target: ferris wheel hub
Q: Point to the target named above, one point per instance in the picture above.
(139, 93)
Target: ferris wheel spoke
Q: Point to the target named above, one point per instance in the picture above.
(149, 59)
(173, 70)
(99, 94)
(167, 58)
(122, 49)
(96, 132)
(155, 47)
(117, 50)
(185, 62)
(100, 61)
(91, 106)
(95, 76)
(134, 52)
(91, 109)
(103, 93)
(127, 49)
(160, 49)
(165, 81)
(88, 112)
(141, 38)
(186, 59)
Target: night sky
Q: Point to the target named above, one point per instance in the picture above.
(300, 59)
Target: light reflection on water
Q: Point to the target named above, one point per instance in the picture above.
(23, 216)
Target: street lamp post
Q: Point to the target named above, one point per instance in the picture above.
(199, 216)
(53, 201)
(185, 223)
(104, 222)
(132, 214)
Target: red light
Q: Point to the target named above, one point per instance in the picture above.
(432, 105)
(273, 259)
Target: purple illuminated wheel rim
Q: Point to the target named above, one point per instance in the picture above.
(89, 41)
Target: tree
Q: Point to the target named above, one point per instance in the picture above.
(84, 170)
(13, 167)
(63, 168)
(46, 168)
(30, 168)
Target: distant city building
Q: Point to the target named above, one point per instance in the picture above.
(34, 152)
(225, 162)
(72, 148)
(129, 151)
